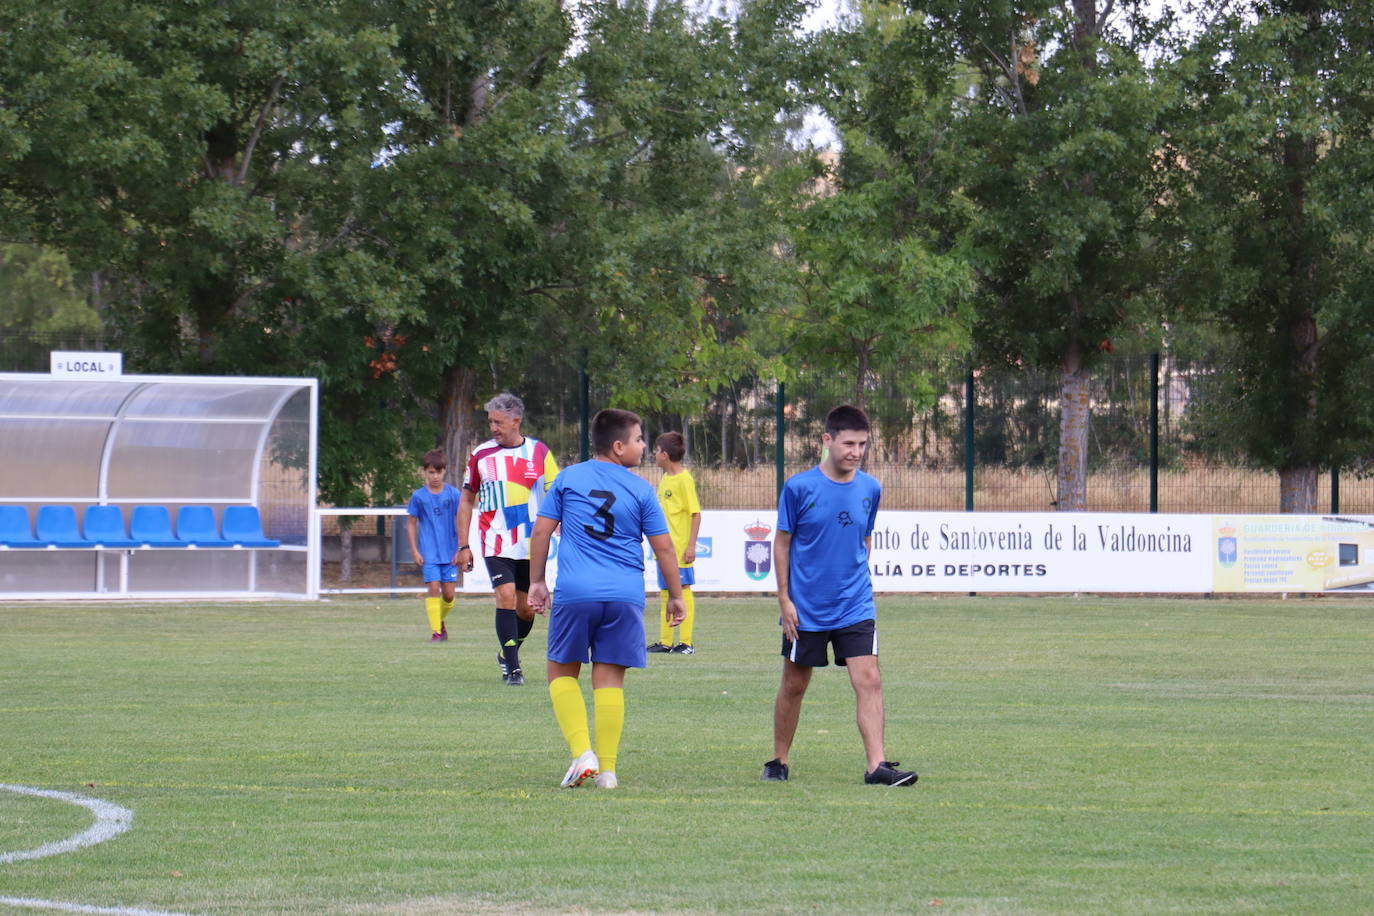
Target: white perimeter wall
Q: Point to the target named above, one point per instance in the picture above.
(1057, 552)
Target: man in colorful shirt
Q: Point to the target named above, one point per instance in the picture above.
(506, 479)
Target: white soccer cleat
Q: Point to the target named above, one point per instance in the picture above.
(607, 780)
(583, 768)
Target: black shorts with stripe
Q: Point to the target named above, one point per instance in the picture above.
(811, 650)
(504, 570)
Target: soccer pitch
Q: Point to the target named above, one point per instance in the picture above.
(1093, 755)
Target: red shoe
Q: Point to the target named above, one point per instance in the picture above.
(437, 637)
(443, 632)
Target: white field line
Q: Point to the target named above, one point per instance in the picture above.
(110, 821)
(83, 908)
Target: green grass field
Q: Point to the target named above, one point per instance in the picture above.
(1076, 756)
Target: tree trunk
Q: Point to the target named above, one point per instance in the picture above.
(1072, 478)
(1298, 490)
(455, 411)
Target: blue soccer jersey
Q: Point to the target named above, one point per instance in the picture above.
(828, 578)
(437, 514)
(606, 512)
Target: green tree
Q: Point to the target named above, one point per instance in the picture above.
(1056, 142)
(207, 160)
(1272, 166)
(41, 293)
(598, 195)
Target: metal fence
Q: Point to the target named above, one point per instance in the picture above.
(929, 453)
(1145, 450)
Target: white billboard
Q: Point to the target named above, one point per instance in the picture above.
(1054, 552)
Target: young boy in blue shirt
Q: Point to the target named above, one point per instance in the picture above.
(825, 594)
(598, 608)
(433, 535)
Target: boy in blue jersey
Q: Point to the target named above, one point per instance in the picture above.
(433, 510)
(820, 553)
(598, 608)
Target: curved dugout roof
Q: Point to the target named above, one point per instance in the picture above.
(151, 438)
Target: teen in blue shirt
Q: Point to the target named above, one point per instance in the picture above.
(598, 608)
(820, 554)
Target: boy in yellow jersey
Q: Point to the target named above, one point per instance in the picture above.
(677, 494)
(433, 535)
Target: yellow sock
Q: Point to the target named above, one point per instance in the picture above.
(609, 703)
(571, 712)
(445, 605)
(665, 631)
(436, 620)
(690, 600)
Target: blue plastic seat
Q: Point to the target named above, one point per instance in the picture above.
(196, 526)
(56, 525)
(151, 526)
(243, 526)
(15, 530)
(104, 526)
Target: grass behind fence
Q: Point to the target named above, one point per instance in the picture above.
(1077, 756)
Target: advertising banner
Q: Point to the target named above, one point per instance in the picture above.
(1052, 552)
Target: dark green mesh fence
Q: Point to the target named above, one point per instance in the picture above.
(921, 442)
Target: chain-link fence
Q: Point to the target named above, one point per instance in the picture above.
(921, 450)
(925, 451)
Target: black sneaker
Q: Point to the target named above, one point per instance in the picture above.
(683, 648)
(515, 679)
(887, 774)
(501, 663)
(775, 771)
(657, 647)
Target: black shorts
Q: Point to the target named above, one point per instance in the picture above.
(504, 570)
(809, 651)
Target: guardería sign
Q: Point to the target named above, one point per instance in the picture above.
(74, 364)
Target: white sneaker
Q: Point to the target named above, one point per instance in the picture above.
(607, 780)
(582, 769)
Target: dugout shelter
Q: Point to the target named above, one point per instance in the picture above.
(157, 486)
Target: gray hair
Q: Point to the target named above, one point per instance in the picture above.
(506, 403)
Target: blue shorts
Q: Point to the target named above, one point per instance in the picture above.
(687, 575)
(441, 572)
(611, 632)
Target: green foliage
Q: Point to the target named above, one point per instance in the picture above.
(404, 202)
(41, 293)
(1272, 168)
(1058, 144)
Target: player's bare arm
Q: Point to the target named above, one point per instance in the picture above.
(782, 548)
(689, 553)
(465, 503)
(666, 556)
(539, 556)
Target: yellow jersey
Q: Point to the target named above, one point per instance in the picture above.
(677, 494)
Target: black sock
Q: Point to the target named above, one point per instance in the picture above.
(508, 637)
(525, 627)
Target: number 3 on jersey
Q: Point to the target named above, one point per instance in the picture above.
(603, 512)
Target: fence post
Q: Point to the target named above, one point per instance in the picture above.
(780, 403)
(1335, 490)
(1154, 432)
(584, 397)
(968, 442)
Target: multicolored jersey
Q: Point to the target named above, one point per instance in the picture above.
(437, 516)
(677, 494)
(828, 576)
(508, 485)
(606, 512)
